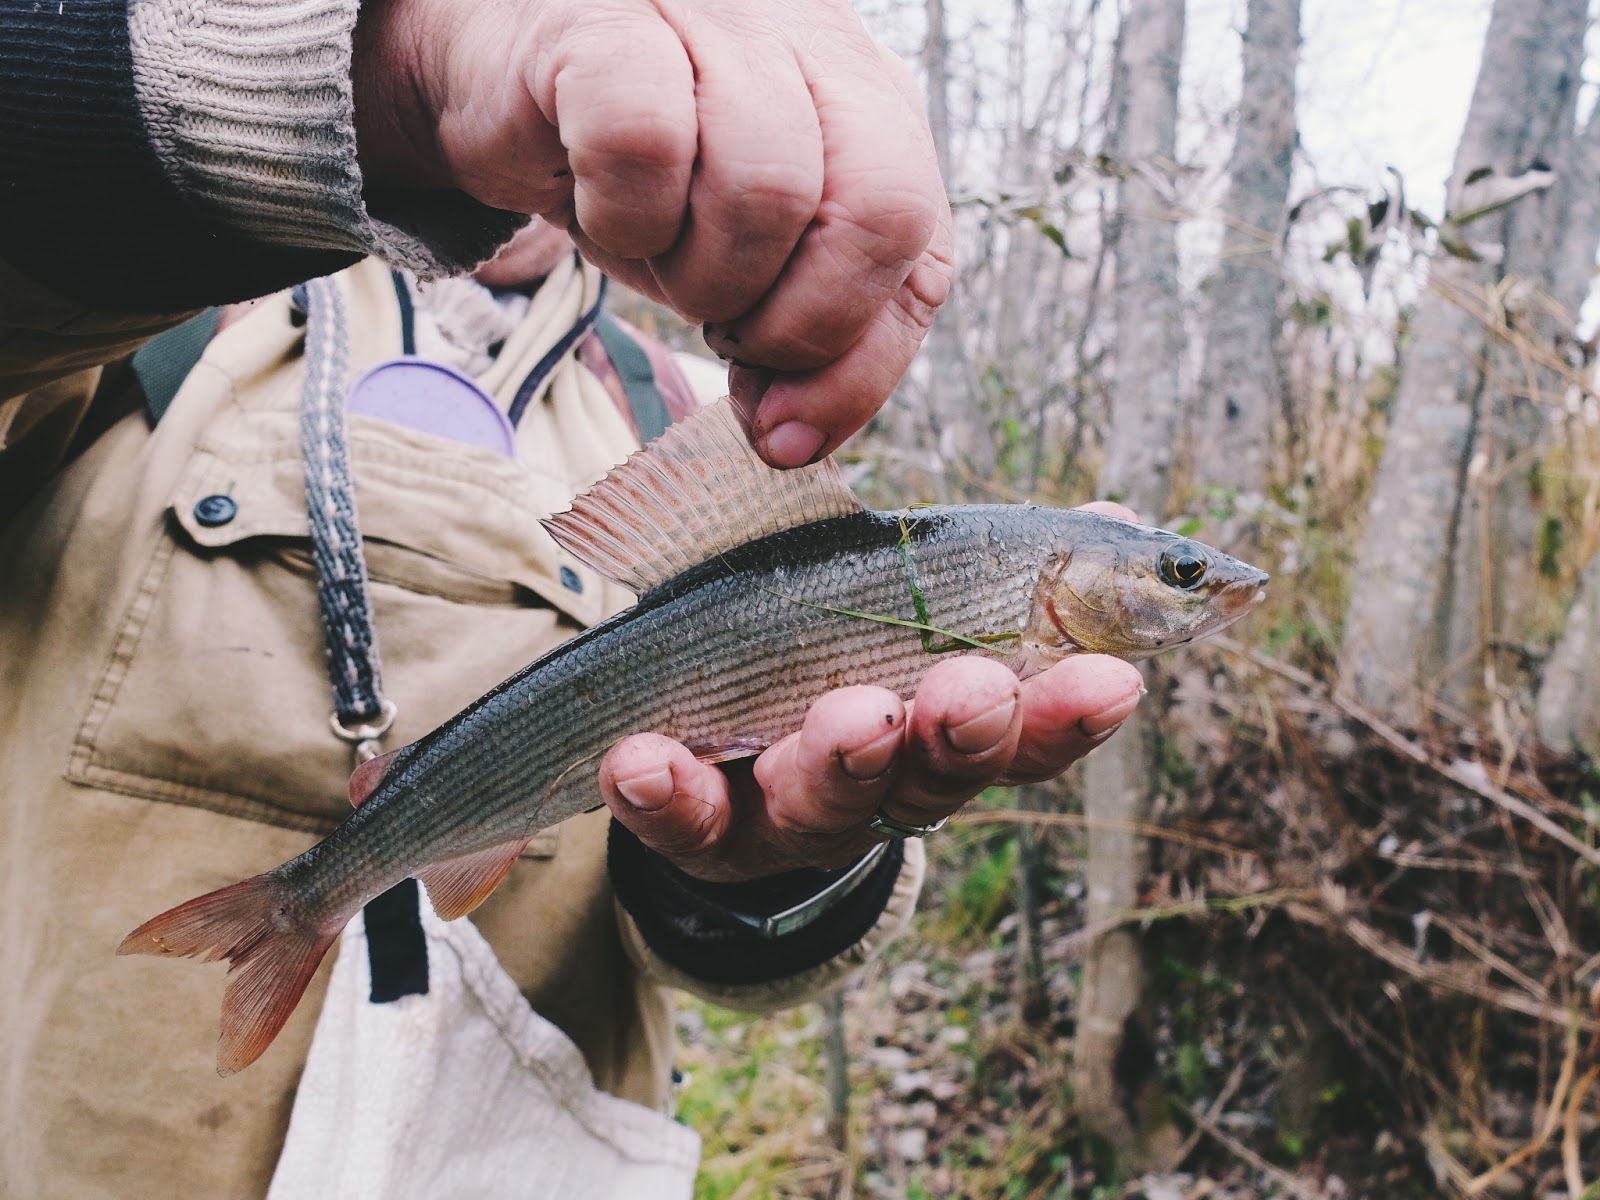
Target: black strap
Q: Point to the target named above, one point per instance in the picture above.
(397, 950)
(163, 363)
(638, 377)
(408, 313)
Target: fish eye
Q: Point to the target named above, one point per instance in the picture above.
(1184, 565)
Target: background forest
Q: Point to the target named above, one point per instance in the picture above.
(1325, 920)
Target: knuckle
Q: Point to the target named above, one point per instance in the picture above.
(891, 224)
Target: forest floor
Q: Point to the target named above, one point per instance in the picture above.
(1373, 963)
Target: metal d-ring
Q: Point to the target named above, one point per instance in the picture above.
(365, 737)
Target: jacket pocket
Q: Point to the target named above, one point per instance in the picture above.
(215, 693)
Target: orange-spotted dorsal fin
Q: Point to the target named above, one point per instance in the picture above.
(695, 492)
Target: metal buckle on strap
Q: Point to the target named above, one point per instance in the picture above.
(365, 737)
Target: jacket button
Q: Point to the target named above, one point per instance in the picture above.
(215, 509)
(569, 577)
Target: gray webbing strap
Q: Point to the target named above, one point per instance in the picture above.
(360, 712)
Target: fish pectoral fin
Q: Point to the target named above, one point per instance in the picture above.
(695, 492)
(272, 952)
(456, 886)
(366, 778)
(731, 751)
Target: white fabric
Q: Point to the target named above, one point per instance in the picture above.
(464, 1093)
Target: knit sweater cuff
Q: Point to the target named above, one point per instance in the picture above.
(250, 110)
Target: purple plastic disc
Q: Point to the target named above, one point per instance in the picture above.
(432, 398)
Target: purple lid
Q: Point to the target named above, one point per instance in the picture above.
(432, 398)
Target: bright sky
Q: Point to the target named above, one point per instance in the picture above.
(1381, 82)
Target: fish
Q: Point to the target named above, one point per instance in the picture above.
(758, 591)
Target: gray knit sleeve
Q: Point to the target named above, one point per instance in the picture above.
(249, 109)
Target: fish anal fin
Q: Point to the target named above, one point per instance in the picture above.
(366, 778)
(456, 886)
(272, 946)
(695, 492)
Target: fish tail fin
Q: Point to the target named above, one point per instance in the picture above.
(272, 945)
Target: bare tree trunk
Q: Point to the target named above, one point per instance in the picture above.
(956, 421)
(1495, 559)
(1241, 385)
(1398, 628)
(1150, 338)
(1114, 1068)
(1569, 701)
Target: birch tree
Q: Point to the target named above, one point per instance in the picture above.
(1569, 701)
(1113, 1074)
(1242, 382)
(1449, 421)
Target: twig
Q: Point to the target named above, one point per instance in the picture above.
(1450, 979)
(1149, 829)
(1552, 1118)
(1569, 1136)
(1232, 1144)
(1235, 1078)
(1417, 754)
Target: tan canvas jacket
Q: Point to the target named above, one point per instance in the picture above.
(164, 729)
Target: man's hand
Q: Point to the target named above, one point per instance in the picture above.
(809, 798)
(759, 165)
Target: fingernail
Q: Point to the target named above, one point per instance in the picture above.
(794, 444)
(873, 759)
(1097, 727)
(649, 792)
(983, 731)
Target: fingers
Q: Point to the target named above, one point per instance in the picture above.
(757, 182)
(631, 148)
(1110, 508)
(1068, 710)
(963, 733)
(800, 417)
(672, 802)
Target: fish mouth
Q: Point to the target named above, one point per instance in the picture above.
(1240, 596)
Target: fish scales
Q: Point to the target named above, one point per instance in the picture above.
(735, 649)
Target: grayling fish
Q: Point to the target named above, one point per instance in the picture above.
(759, 591)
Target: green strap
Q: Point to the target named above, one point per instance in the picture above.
(163, 363)
(638, 377)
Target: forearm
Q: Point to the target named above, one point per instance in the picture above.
(163, 157)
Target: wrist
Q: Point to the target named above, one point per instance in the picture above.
(686, 927)
(393, 71)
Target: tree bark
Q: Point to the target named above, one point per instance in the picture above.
(1149, 318)
(1569, 701)
(1416, 598)
(1241, 384)
(1115, 1071)
(1494, 592)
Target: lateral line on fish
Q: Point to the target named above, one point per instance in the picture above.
(982, 641)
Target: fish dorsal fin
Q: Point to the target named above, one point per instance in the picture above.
(695, 492)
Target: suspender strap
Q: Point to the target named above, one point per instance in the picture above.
(353, 667)
(163, 363)
(638, 377)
